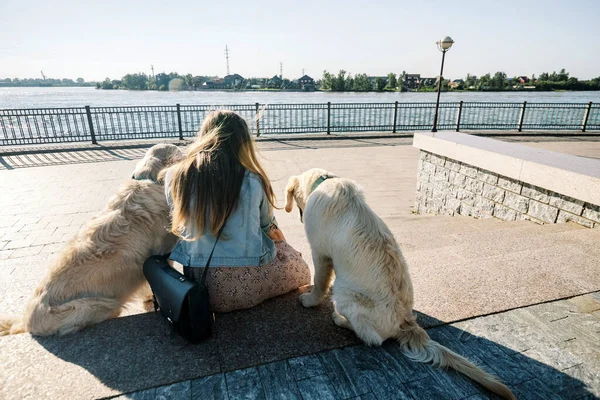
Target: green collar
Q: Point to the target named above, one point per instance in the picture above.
(321, 179)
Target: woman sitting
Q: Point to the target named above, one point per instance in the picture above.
(221, 183)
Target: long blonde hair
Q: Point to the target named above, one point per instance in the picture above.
(206, 183)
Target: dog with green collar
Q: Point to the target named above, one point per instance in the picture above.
(372, 293)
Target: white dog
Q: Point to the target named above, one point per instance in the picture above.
(100, 269)
(372, 293)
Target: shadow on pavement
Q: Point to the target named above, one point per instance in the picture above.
(139, 352)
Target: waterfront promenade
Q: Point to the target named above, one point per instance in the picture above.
(518, 298)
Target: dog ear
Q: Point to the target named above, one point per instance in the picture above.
(160, 179)
(289, 193)
(148, 168)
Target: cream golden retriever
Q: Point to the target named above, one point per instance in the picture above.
(372, 292)
(100, 269)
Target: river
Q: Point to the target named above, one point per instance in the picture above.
(36, 97)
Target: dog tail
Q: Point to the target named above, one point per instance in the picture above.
(11, 326)
(419, 347)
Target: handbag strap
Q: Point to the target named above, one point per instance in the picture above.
(205, 272)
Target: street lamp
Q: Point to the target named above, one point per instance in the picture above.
(443, 45)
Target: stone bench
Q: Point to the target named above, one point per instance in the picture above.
(461, 174)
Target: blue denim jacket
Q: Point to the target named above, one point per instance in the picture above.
(244, 241)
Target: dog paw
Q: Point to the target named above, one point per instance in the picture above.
(308, 300)
(340, 320)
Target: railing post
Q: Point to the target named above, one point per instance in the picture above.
(328, 117)
(460, 104)
(395, 116)
(257, 120)
(179, 121)
(522, 116)
(90, 124)
(586, 116)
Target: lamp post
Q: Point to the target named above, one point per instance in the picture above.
(443, 45)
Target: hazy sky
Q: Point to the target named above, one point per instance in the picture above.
(98, 39)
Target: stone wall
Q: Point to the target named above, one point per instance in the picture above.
(446, 186)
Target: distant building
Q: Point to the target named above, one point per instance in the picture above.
(523, 79)
(411, 81)
(427, 81)
(275, 82)
(456, 84)
(232, 81)
(217, 83)
(306, 83)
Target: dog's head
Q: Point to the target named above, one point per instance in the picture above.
(299, 187)
(157, 158)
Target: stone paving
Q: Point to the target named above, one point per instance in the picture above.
(546, 351)
(43, 207)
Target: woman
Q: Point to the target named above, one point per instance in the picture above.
(220, 182)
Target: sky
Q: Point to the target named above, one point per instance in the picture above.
(98, 39)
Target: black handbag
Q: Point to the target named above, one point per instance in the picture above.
(183, 302)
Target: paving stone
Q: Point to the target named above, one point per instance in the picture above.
(505, 213)
(407, 369)
(452, 165)
(484, 353)
(536, 193)
(493, 193)
(428, 168)
(592, 212)
(534, 389)
(244, 384)
(176, 391)
(485, 206)
(569, 204)
(437, 160)
(213, 387)
(516, 202)
(278, 381)
(487, 177)
(509, 184)
(473, 185)
(468, 170)
(585, 304)
(442, 174)
(16, 244)
(306, 367)
(543, 212)
(564, 216)
(442, 384)
(344, 374)
(317, 388)
(385, 376)
(459, 180)
(149, 394)
(4, 254)
(26, 251)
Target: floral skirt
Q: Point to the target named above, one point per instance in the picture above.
(236, 288)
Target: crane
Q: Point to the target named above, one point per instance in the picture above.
(43, 76)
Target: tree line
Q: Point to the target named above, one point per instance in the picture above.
(161, 81)
(561, 80)
(48, 82)
(174, 81)
(341, 82)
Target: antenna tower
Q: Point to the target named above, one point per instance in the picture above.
(227, 58)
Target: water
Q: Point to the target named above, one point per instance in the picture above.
(81, 96)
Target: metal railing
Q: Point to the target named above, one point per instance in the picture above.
(60, 125)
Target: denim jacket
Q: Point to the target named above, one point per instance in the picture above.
(244, 241)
